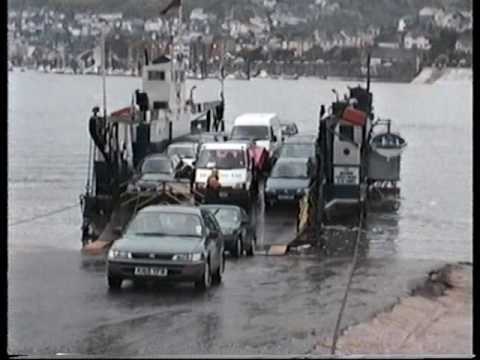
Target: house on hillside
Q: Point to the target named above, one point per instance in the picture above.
(464, 43)
(427, 15)
(417, 40)
(457, 20)
(388, 40)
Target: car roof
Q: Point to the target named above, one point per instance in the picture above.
(292, 160)
(181, 209)
(301, 138)
(225, 146)
(157, 156)
(183, 143)
(255, 119)
(223, 206)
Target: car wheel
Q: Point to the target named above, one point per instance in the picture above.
(206, 280)
(238, 249)
(268, 205)
(114, 283)
(217, 276)
(251, 249)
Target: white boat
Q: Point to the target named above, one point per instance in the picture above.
(387, 144)
(263, 74)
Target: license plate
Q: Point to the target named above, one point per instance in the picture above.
(285, 197)
(223, 194)
(147, 271)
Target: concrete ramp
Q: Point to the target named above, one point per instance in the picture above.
(120, 217)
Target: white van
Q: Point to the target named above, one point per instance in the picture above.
(235, 171)
(262, 128)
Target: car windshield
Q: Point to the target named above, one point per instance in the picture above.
(226, 217)
(165, 224)
(290, 170)
(183, 151)
(250, 132)
(297, 150)
(157, 166)
(221, 159)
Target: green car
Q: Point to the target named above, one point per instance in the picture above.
(238, 231)
(169, 243)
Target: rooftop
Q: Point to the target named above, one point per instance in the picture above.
(181, 209)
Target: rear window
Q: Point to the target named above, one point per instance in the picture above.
(221, 159)
(157, 166)
(250, 133)
(297, 150)
(290, 170)
(183, 151)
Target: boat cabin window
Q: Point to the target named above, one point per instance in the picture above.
(252, 132)
(346, 132)
(156, 75)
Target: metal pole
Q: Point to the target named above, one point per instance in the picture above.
(368, 71)
(104, 84)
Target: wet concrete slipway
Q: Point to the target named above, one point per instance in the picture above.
(58, 301)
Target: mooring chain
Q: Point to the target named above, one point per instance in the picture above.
(350, 277)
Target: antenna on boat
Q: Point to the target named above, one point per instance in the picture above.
(104, 58)
(368, 71)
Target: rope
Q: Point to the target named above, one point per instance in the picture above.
(350, 277)
(44, 215)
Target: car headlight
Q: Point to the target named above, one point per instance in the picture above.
(118, 254)
(188, 257)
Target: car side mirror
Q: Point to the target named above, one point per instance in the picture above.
(213, 235)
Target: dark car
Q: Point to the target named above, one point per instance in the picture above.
(289, 129)
(301, 146)
(169, 243)
(289, 180)
(238, 232)
(185, 150)
(157, 169)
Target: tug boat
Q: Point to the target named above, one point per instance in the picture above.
(360, 159)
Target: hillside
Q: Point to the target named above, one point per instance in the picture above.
(351, 13)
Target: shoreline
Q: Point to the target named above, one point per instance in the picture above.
(435, 319)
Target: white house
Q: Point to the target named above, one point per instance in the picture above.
(418, 41)
(464, 44)
(153, 25)
(197, 14)
(111, 17)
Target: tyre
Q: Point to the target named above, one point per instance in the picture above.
(217, 276)
(251, 250)
(268, 205)
(238, 248)
(114, 282)
(206, 280)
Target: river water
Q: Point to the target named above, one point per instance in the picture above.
(48, 151)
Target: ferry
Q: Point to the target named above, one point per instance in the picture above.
(158, 114)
